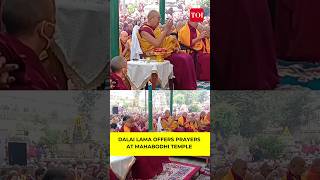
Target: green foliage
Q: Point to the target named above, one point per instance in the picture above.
(194, 108)
(227, 116)
(272, 147)
(131, 8)
(51, 137)
(179, 99)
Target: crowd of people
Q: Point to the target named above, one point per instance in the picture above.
(180, 122)
(186, 43)
(44, 162)
(56, 169)
(296, 169)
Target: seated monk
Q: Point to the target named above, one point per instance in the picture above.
(167, 123)
(238, 171)
(129, 125)
(204, 122)
(124, 45)
(26, 37)
(150, 37)
(314, 172)
(192, 125)
(296, 169)
(182, 122)
(117, 77)
(191, 37)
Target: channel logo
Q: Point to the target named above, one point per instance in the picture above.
(196, 15)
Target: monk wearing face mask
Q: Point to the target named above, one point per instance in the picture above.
(30, 26)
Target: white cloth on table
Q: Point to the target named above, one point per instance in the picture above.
(82, 35)
(121, 165)
(135, 44)
(139, 72)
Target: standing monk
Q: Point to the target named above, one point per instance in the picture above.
(151, 37)
(297, 30)
(245, 57)
(190, 36)
(30, 26)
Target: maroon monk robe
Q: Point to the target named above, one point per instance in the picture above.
(245, 56)
(132, 129)
(297, 30)
(112, 175)
(290, 176)
(30, 75)
(1, 24)
(236, 177)
(117, 82)
(183, 67)
(148, 167)
(203, 63)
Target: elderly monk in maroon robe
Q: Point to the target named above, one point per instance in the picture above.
(29, 33)
(297, 30)
(117, 77)
(245, 57)
(151, 36)
(194, 37)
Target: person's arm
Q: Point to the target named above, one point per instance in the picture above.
(157, 42)
(125, 50)
(5, 78)
(199, 38)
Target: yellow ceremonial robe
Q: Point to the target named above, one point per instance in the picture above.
(181, 121)
(127, 55)
(192, 125)
(126, 128)
(205, 121)
(229, 176)
(169, 42)
(184, 38)
(303, 177)
(168, 124)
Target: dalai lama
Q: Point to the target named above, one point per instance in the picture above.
(190, 36)
(245, 57)
(30, 26)
(150, 37)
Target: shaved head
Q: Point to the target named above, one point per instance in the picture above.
(297, 166)
(239, 167)
(124, 36)
(21, 17)
(152, 14)
(167, 113)
(123, 33)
